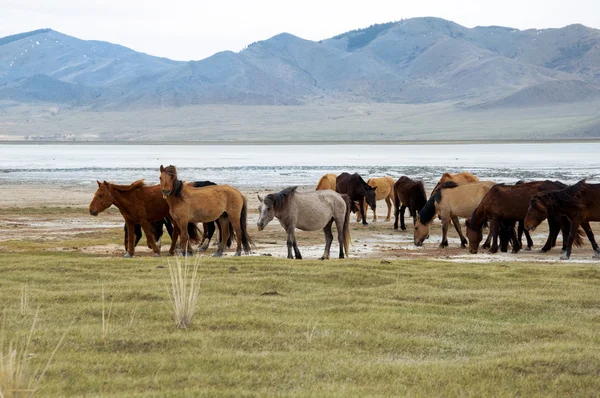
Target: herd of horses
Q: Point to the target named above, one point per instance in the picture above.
(508, 211)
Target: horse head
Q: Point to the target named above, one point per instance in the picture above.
(168, 178)
(266, 211)
(536, 213)
(370, 196)
(421, 231)
(474, 235)
(102, 200)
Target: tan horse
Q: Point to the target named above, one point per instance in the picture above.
(327, 182)
(450, 201)
(384, 191)
(461, 178)
(206, 204)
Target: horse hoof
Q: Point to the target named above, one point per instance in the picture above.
(218, 254)
(127, 255)
(564, 256)
(237, 254)
(596, 256)
(156, 255)
(201, 250)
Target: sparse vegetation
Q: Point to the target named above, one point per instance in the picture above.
(184, 290)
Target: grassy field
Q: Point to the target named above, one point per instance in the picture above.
(268, 326)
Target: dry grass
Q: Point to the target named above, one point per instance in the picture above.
(184, 290)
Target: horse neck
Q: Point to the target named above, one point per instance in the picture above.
(121, 200)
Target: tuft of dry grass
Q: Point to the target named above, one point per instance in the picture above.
(105, 316)
(184, 290)
(17, 376)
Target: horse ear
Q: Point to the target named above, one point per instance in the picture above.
(98, 183)
(260, 198)
(162, 168)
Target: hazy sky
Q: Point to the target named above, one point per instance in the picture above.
(184, 30)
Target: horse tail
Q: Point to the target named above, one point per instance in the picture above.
(346, 228)
(193, 233)
(247, 242)
(578, 241)
(396, 205)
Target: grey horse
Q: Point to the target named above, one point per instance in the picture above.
(308, 211)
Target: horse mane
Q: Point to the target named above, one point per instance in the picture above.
(418, 197)
(567, 197)
(200, 184)
(428, 211)
(279, 200)
(130, 187)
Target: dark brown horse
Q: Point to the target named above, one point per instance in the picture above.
(408, 193)
(506, 205)
(580, 203)
(357, 190)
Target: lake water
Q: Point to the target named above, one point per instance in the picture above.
(277, 166)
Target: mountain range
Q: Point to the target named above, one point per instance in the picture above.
(413, 61)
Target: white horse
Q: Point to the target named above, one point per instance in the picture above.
(308, 211)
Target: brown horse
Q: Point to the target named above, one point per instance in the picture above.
(357, 190)
(384, 190)
(139, 204)
(216, 202)
(157, 227)
(580, 203)
(408, 193)
(461, 178)
(509, 204)
(327, 182)
(450, 201)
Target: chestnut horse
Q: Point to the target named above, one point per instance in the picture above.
(158, 231)
(384, 190)
(357, 190)
(308, 211)
(450, 201)
(327, 182)
(580, 203)
(138, 204)
(509, 203)
(216, 202)
(408, 193)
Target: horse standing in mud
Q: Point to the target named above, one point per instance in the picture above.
(327, 182)
(450, 201)
(384, 190)
(408, 193)
(216, 202)
(505, 205)
(580, 203)
(308, 211)
(357, 190)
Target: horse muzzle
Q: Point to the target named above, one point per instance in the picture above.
(165, 193)
(473, 251)
(93, 212)
(260, 226)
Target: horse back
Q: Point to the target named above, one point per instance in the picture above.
(328, 181)
(462, 200)
(150, 204)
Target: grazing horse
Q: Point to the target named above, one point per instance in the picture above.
(357, 190)
(461, 178)
(384, 190)
(327, 182)
(215, 202)
(408, 193)
(580, 203)
(509, 204)
(138, 204)
(308, 211)
(450, 201)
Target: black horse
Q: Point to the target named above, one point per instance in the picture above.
(358, 190)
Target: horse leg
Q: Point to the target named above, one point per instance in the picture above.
(463, 240)
(363, 214)
(339, 225)
(237, 227)
(488, 241)
(138, 234)
(184, 239)
(402, 224)
(374, 211)
(147, 227)
(494, 232)
(388, 202)
(296, 250)
(158, 232)
(224, 223)
(175, 235)
(130, 239)
(363, 210)
(553, 230)
(590, 234)
(445, 222)
(572, 234)
(329, 239)
(208, 230)
(396, 212)
(290, 242)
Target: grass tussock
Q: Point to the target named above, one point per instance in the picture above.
(184, 290)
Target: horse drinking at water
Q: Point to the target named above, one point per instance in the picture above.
(215, 202)
(308, 211)
(408, 193)
(450, 201)
(357, 190)
(580, 203)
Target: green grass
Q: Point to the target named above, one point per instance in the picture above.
(334, 328)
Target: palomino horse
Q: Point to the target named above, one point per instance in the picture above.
(384, 190)
(216, 202)
(450, 201)
(357, 190)
(327, 182)
(461, 178)
(580, 203)
(308, 211)
(408, 193)
(139, 204)
(509, 203)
